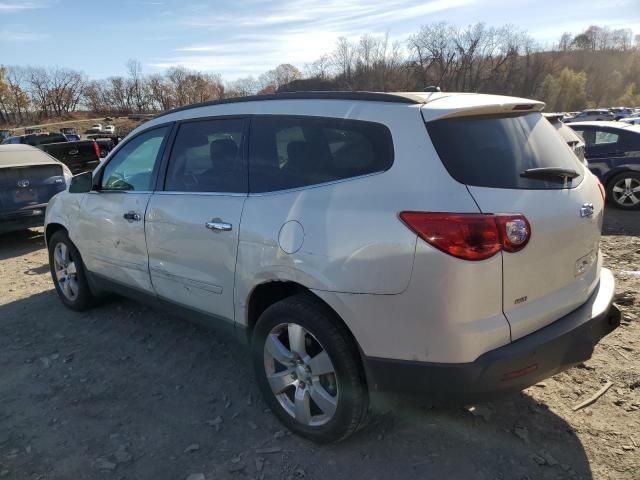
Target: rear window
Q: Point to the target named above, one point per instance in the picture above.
(493, 151)
(289, 152)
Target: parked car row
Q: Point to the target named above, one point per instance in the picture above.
(601, 114)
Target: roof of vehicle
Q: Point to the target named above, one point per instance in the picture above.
(599, 123)
(446, 100)
(20, 155)
(615, 125)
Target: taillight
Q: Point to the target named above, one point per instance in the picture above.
(603, 192)
(470, 236)
(96, 148)
(515, 231)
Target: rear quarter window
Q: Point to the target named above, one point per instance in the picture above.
(492, 151)
(288, 152)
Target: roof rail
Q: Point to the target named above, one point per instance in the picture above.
(323, 95)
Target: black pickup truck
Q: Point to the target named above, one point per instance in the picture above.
(80, 156)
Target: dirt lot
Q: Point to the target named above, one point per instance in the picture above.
(126, 392)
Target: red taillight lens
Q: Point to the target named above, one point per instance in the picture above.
(96, 148)
(603, 192)
(470, 236)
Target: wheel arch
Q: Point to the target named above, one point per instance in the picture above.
(268, 293)
(614, 172)
(52, 228)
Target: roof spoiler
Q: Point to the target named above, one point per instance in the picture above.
(477, 105)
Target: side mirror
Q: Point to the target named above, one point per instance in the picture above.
(81, 183)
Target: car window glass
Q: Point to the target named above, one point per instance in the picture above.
(131, 169)
(493, 151)
(604, 137)
(290, 152)
(207, 157)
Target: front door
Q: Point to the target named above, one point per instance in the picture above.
(193, 224)
(110, 232)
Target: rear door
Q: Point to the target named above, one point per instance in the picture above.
(193, 225)
(559, 267)
(110, 229)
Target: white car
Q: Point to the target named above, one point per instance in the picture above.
(591, 115)
(635, 120)
(109, 129)
(97, 127)
(436, 243)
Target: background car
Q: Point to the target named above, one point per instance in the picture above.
(28, 179)
(621, 112)
(71, 133)
(79, 156)
(109, 129)
(591, 115)
(96, 127)
(612, 150)
(4, 133)
(570, 137)
(635, 120)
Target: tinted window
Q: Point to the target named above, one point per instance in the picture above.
(494, 151)
(132, 167)
(289, 152)
(598, 137)
(207, 157)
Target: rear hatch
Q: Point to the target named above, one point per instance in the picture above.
(559, 267)
(22, 187)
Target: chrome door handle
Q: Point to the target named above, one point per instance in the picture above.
(218, 225)
(132, 217)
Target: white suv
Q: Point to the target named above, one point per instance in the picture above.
(438, 243)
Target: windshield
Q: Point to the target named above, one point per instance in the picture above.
(493, 151)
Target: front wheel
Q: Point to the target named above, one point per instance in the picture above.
(624, 190)
(308, 370)
(67, 272)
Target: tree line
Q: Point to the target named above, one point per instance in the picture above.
(597, 67)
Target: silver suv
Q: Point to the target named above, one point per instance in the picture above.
(437, 243)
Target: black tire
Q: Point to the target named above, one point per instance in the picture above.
(614, 196)
(324, 328)
(84, 299)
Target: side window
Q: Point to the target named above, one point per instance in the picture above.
(290, 152)
(207, 157)
(603, 137)
(132, 167)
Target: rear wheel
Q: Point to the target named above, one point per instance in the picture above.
(308, 370)
(624, 190)
(67, 272)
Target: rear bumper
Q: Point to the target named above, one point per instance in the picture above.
(21, 219)
(550, 350)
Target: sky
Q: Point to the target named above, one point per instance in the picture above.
(237, 38)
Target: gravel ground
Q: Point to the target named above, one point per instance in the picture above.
(126, 392)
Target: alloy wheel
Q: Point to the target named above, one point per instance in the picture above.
(626, 192)
(66, 272)
(301, 374)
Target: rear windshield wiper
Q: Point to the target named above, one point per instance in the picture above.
(550, 173)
